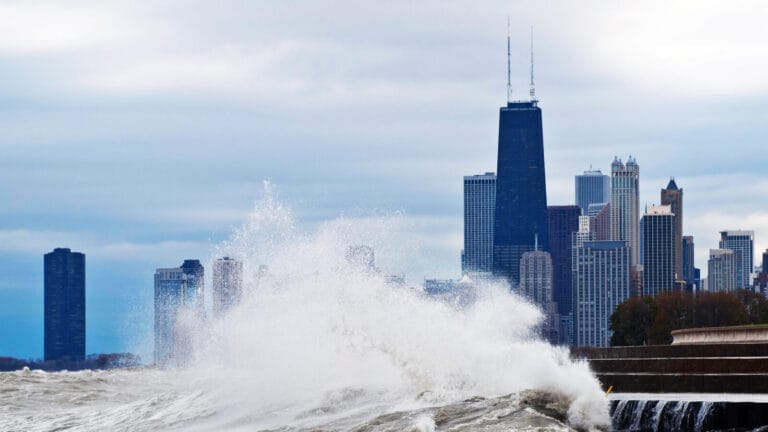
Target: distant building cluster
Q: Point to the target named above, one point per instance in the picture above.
(579, 262)
(576, 262)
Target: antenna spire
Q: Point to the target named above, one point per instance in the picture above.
(509, 67)
(533, 86)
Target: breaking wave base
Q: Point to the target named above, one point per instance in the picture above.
(318, 343)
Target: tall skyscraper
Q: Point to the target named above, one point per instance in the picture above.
(536, 286)
(592, 187)
(227, 284)
(741, 242)
(521, 192)
(722, 266)
(658, 250)
(688, 261)
(64, 308)
(625, 199)
(177, 290)
(479, 208)
(601, 282)
(563, 222)
(673, 197)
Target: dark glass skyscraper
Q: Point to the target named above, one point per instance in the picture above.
(592, 187)
(563, 222)
(659, 250)
(688, 261)
(64, 319)
(521, 193)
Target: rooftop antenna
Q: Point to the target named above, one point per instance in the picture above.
(533, 87)
(509, 67)
(536, 242)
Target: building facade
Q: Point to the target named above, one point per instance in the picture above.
(600, 223)
(688, 253)
(723, 270)
(592, 187)
(625, 199)
(521, 192)
(601, 283)
(658, 250)
(64, 305)
(563, 222)
(742, 242)
(227, 284)
(479, 209)
(178, 291)
(765, 261)
(672, 196)
(536, 286)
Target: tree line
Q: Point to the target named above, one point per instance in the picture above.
(650, 320)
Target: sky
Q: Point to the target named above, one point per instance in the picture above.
(141, 133)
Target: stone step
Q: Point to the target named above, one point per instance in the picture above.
(701, 365)
(684, 383)
(670, 351)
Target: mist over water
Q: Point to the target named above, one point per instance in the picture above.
(321, 342)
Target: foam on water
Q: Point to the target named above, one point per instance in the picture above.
(319, 341)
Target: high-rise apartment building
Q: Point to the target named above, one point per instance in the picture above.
(521, 192)
(578, 239)
(673, 197)
(592, 187)
(601, 283)
(625, 198)
(479, 209)
(723, 270)
(227, 284)
(178, 291)
(741, 242)
(64, 305)
(658, 250)
(688, 262)
(536, 286)
(563, 222)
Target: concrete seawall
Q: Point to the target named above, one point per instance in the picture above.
(719, 335)
(682, 368)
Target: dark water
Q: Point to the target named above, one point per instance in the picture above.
(708, 413)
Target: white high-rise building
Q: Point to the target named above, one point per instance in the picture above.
(743, 243)
(479, 208)
(625, 199)
(227, 284)
(722, 270)
(601, 283)
(536, 286)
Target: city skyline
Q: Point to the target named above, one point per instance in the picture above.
(65, 126)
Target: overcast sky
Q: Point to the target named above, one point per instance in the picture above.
(142, 134)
